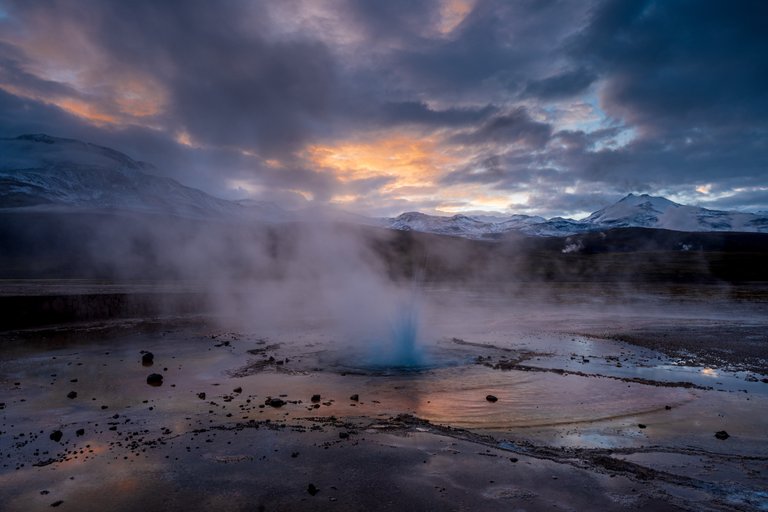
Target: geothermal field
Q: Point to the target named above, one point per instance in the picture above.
(383, 255)
(344, 379)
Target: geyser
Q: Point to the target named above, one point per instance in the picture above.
(399, 347)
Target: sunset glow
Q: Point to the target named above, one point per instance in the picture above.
(408, 161)
(449, 105)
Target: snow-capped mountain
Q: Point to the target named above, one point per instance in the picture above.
(44, 171)
(658, 212)
(632, 211)
(40, 171)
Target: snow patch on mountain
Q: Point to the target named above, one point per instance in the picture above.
(40, 171)
(43, 170)
(632, 211)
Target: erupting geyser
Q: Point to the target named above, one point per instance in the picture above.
(405, 351)
(399, 347)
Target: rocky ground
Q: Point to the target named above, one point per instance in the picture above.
(648, 412)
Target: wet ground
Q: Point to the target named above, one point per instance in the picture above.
(502, 410)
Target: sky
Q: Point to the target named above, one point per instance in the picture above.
(545, 107)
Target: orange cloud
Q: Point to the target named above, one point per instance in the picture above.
(126, 105)
(139, 98)
(452, 13)
(410, 161)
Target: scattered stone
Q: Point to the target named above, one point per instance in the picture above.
(722, 435)
(355, 397)
(155, 379)
(491, 398)
(514, 459)
(147, 358)
(201, 396)
(56, 435)
(343, 435)
(274, 402)
(315, 398)
(80, 432)
(764, 380)
(57, 503)
(237, 390)
(668, 407)
(641, 425)
(294, 455)
(72, 394)
(312, 490)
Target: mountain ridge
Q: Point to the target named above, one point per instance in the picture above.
(38, 170)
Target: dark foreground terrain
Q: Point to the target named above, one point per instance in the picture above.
(169, 368)
(287, 416)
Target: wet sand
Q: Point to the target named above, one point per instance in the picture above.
(581, 420)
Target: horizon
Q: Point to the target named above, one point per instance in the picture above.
(447, 107)
(36, 137)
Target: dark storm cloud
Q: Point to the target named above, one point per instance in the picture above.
(516, 126)
(417, 112)
(514, 170)
(12, 71)
(685, 82)
(500, 44)
(672, 64)
(678, 87)
(562, 85)
(226, 83)
(394, 19)
(690, 76)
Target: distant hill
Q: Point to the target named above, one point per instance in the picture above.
(41, 172)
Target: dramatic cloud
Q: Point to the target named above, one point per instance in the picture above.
(539, 106)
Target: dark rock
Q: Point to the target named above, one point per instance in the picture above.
(155, 379)
(513, 459)
(315, 398)
(765, 380)
(641, 425)
(274, 402)
(355, 397)
(201, 396)
(312, 490)
(722, 435)
(491, 398)
(668, 407)
(72, 394)
(147, 358)
(80, 432)
(343, 435)
(57, 503)
(294, 455)
(237, 390)
(56, 435)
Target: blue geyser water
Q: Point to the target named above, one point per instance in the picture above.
(398, 347)
(404, 348)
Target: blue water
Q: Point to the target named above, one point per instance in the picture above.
(399, 347)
